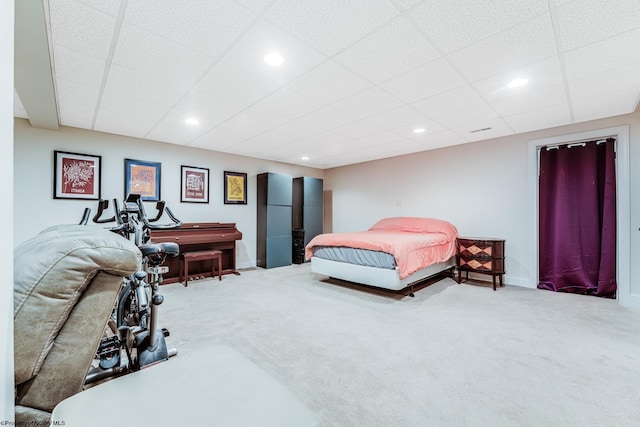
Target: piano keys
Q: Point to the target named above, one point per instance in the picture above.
(199, 236)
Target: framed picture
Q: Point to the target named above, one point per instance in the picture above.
(76, 176)
(235, 188)
(142, 178)
(194, 183)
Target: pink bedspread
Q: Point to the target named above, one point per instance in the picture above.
(415, 243)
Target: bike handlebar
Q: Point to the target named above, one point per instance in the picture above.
(102, 206)
(132, 205)
(160, 206)
(85, 216)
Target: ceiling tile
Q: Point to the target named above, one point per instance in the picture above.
(282, 135)
(430, 79)
(476, 117)
(209, 110)
(129, 106)
(124, 123)
(399, 117)
(330, 25)
(615, 52)
(369, 102)
(263, 38)
(77, 93)
(454, 24)
(443, 139)
(606, 105)
(159, 57)
(627, 77)
(75, 115)
(209, 27)
(111, 7)
(375, 139)
(393, 49)
(429, 126)
(325, 119)
(340, 135)
(588, 21)
(400, 147)
(330, 82)
(507, 51)
(325, 146)
(139, 85)
(255, 5)
(234, 83)
(531, 100)
(544, 118)
(239, 128)
(75, 66)
(81, 28)
(289, 104)
(449, 102)
(541, 75)
(406, 4)
(173, 129)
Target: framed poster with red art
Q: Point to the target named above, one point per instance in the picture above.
(195, 185)
(76, 176)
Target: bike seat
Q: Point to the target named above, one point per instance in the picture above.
(156, 252)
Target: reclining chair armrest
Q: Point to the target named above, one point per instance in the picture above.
(66, 282)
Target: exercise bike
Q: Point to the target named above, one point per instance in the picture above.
(133, 325)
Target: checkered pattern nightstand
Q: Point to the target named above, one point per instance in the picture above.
(480, 255)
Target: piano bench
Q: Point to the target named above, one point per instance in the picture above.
(213, 255)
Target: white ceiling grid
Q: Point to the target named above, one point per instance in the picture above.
(358, 75)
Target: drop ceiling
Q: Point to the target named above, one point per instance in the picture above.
(358, 77)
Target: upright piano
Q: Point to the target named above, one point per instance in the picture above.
(199, 236)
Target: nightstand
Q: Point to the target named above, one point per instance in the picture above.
(483, 255)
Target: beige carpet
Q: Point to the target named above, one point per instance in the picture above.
(455, 355)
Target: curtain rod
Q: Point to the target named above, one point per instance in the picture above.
(580, 142)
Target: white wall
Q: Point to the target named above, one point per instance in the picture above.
(6, 215)
(36, 209)
(480, 187)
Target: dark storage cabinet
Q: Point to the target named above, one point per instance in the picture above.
(298, 246)
(308, 207)
(274, 220)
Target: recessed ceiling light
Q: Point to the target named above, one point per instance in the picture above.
(274, 59)
(419, 130)
(191, 121)
(517, 83)
(305, 158)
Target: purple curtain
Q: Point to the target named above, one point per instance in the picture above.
(577, 219)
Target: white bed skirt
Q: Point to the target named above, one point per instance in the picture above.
(373, 276)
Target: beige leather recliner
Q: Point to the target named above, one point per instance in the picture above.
(66, 280)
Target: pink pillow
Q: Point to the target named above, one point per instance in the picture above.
(415, 225)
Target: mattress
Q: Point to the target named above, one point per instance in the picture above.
(357, 256)
(374, 276)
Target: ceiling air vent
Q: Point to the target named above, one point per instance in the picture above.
(479, 130)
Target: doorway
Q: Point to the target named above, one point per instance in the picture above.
(577, 218)
(621, 134)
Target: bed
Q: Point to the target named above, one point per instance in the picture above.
(395, 253)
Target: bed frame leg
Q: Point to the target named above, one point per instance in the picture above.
(411, 291)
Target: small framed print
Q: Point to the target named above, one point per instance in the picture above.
(194, 183)
(143, 178)
(76, 176)
(235, 188)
